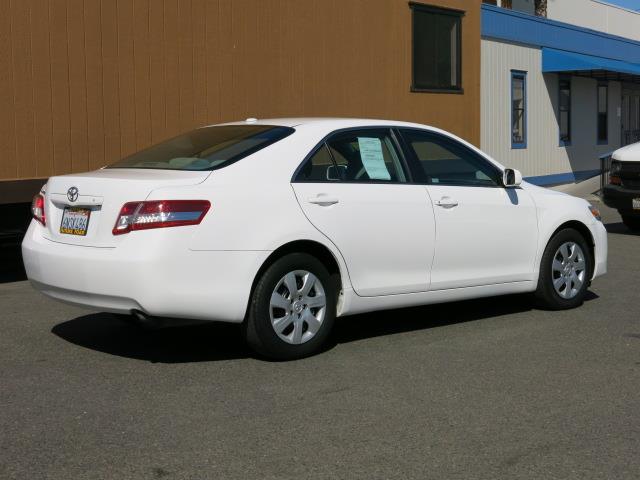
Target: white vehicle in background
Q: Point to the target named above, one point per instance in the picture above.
(284, 224)
(623, 190)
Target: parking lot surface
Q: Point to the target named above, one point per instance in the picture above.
(490, 389)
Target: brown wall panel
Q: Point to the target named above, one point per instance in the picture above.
(8, 164)
(43, 121)
(94, 85)
(126, 77)
(110, 82)
(77, 86)
(23, 87)
(84, 82)
(60, 114)
(157, 104)
(142, 66)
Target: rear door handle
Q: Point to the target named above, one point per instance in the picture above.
(323, 200)
(447, 202)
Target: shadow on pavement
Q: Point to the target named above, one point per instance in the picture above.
(390, 322)
(11, 266)
(620, 228)
(106, 333)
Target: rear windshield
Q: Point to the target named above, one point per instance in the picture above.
(206, 148)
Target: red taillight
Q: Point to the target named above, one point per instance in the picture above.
(37, 209)
(615, 180)
(160, 214)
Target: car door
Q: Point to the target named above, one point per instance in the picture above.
(485, 233)
(354, 189)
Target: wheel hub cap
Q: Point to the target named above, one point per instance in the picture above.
(568, 270)
(297, 307)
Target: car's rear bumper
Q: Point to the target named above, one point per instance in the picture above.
(620, 198)
(157, 275)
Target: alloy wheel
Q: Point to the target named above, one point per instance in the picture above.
(297, 307)
(568, 270)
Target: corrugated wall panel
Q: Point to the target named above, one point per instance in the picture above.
(544, 155)
(60, 95)
(85, 82)
(43, 121)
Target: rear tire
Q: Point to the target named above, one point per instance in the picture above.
(632, 223)
(565, 271)
(292, 308)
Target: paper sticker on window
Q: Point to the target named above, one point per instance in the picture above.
(373, 159)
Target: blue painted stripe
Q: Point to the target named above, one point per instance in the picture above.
(560, 178)
(508, 25)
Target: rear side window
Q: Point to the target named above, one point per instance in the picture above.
(444, 161)
(207, 148)
(319, 168)
(355, 156)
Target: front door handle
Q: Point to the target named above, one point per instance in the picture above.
(323, 200)
(447, 202)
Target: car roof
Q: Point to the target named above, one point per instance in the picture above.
(328, 122)
(630, 153)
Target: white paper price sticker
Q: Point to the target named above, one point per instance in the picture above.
(373, 159)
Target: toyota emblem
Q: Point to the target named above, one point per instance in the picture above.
(72, 194)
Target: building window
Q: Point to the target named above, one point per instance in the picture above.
(436, 47)
(603, 116)
(518, 109)
(564, 110)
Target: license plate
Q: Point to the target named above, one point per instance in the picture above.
(75, 221)
(636, 203)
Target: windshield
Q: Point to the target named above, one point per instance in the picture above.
(206, 148)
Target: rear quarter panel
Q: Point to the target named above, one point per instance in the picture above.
(253, 206)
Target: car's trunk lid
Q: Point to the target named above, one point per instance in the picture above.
(98, 197)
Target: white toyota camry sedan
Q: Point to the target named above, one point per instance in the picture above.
(284, 224)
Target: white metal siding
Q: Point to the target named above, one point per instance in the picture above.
(543, 155)
(597, 16)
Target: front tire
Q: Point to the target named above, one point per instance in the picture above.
(292, 308)
(565, 271)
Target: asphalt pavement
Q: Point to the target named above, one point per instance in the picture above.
(486, 389)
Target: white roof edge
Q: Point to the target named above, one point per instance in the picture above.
(630, 153)
(301, 121)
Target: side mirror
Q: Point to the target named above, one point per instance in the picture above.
(511, 177)
(333, 172)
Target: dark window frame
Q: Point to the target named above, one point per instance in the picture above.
(324, 143)
(599, 139)
(458, 14)
(418, 171)
(566, 80)
(522, 75)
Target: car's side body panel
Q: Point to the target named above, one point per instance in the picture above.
(489, 237)
(206, 271)
(386, 232)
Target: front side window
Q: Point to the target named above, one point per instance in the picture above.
(207, 148)
(603, 110)
(444, 161)
(564, 110)
(518, 109)
(436, 48)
